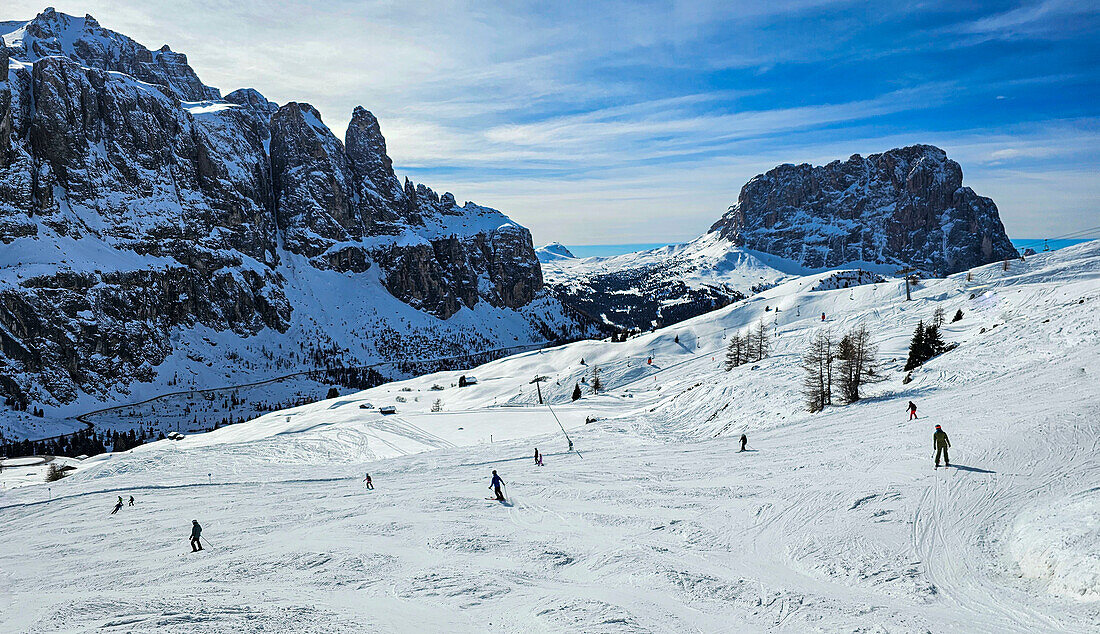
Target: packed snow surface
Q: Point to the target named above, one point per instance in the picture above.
(831, 522)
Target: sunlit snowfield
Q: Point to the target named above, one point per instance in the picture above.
(832, 522)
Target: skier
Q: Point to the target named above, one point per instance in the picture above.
(196, 533)
(912, 410)
(131, 500)
(940, 443)
(744, 441)
(822, 316)
(370, 483)
(538, 458)
(118, 505)
(496, 484)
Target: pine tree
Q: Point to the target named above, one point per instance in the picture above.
(938, 317)
(933, 342)
(958, 316)
(597, 383)
(576, 391)
(917, 348)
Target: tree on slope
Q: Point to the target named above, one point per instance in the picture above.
(858, 365)
(933, 342)
(736, 352)
(596, 383)
(925, 344)
(916, 348)
(817, 364)
(758, 344)
(576, 391)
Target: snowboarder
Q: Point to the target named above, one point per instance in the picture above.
(744, 441)
(495, 484)
(912, 410)
(196, 533)
(370, 483)
(118, 505)
(131, 500)
(940, 443)
(538, 458)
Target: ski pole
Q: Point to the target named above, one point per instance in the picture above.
(206, 540)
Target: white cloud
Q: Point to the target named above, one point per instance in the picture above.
(544, 110)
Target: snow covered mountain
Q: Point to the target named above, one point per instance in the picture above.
(157, 236)
(831, 522)
(553, 251)
(907, 206)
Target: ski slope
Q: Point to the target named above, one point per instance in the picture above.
(832, 522)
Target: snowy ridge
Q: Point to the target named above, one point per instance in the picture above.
(553, 251)
(831, 522)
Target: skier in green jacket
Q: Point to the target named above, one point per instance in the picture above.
(940, 443)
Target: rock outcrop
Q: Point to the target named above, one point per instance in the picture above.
(907, 206)
(137, 206)
(904, 207)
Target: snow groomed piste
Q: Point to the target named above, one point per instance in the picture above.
(830, 522)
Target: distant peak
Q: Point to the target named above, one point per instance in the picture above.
(554, 251)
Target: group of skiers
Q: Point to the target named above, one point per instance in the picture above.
(940, 444)
(118, 505)
(940, 441)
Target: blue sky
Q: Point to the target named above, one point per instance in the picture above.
(616, 122)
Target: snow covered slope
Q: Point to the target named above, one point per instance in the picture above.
(831, 522)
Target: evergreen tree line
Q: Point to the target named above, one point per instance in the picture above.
(84, 442)
(750, 347)
(839, 368)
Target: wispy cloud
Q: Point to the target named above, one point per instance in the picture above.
(635, 121)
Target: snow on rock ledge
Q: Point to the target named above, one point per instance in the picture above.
(1058, 544)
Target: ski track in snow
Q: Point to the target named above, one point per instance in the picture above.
(831, 522)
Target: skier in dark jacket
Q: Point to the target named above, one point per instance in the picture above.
(912, 410)
(537, 461)
(744, 441)
(370, 483)
(118, 505)
(495, 484)
(940, 443)
(131, 500)
(196, 533)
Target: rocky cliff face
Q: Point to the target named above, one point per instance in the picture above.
(137, 205)
(907, 206)
(904, 206)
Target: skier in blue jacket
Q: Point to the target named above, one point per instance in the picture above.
(496, 484)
